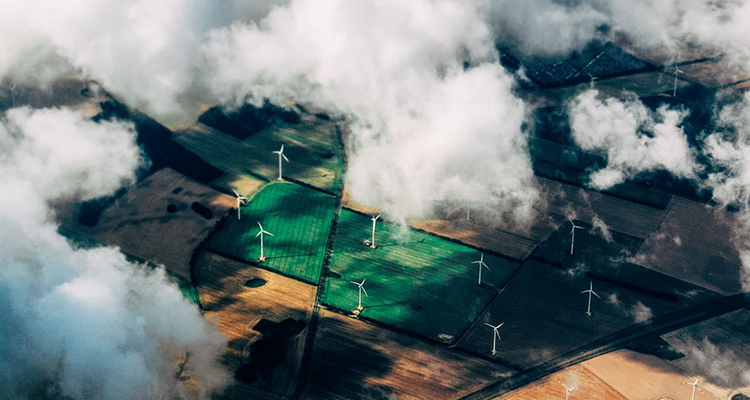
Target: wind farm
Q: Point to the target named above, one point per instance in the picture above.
(335, 254)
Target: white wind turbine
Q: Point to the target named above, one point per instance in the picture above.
(567, 391)
(590, 291)
(593, 78)
(374, 221)
(573, 234)
(676, 71)
(281, 155)
(481, 264)
(495, 336)
(261, 233)
(361, 286)
(240, 201)
(694, 385)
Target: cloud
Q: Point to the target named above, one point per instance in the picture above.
(433, 119)
(84, 323)
(633, 138)
(639, 311)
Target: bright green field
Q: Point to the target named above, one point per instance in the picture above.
(422, 284)
(300, 219)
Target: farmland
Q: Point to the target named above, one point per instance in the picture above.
(694, 244)
(718, 350)
(544, 314)
(298, 217)
(415, 281)
(356, 360)
(311, 145)
(263, 315)
(158, 220)
(587, 386)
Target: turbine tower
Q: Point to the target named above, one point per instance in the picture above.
(567, 391)
(694, 385)
(281, 155)
(590, 292)
(374, 221)
(12, 89)
(262, 231)
(240, 201)
(361, 286)
(495, 336)
(573, 234)
(481, 264)
(676, 71)
(593, 78)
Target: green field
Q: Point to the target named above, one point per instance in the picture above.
(312, 146)
(418, 282)
(300, 219)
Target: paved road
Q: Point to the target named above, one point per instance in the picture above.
(657, 326)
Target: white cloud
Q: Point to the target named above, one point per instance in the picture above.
(425, 131)
(84, 323)
(632, 138)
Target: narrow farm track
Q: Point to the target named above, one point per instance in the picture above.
(657, 326)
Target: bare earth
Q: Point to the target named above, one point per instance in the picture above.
(140, 224)
(240, 310)
(356, 360)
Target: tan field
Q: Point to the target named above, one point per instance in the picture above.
(242, 310)
(587, 386)
(356, 360)
(141, 224)
(694, 243)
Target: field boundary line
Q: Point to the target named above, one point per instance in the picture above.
(257, 265)
(312, 328)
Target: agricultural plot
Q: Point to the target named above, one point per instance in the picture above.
(641, 376)
(264, 316)
(544, 313)
(415, 281)
(162, 220)
(587, 386)
(356, 360)
(594, 248)
(718, 350)
(312, 146)
(618, 214)
(694, 244)
(298, 217)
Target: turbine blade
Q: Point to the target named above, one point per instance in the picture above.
(258, 233)
(585, 291)
(365, 291)
(356, 283)
(282, 148)
(594, 293)
(363, 281)
(282, 155)
(268, 233)
(501, 324)
(235, 193)
(491, 326)
(260, 226)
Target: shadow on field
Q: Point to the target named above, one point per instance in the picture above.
(345, 362)
(270, 351)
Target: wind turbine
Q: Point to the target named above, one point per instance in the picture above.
(12, 89)
(676, 71)
(481, 264)
(262, 231)
(281, 155)
(240, 200)
(694, 385)
(573, 234)
(495, 336)
(361, 286)
(593, 78)
(567, 391)
(374, 221)
(590, 292)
